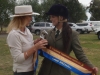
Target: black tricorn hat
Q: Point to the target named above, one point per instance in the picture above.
(58, 10)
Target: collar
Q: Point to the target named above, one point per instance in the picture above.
(24, 33)
(59, 30)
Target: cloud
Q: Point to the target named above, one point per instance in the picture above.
(85, 2)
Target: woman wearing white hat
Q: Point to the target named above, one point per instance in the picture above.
(20, 41)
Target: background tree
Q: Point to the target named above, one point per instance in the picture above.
(35, 5)
(95, 10)
(76, 10)
(5, 10)
(45, 5)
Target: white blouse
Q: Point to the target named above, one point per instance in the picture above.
(19, 42)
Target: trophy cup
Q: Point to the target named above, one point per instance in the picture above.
(43, 33)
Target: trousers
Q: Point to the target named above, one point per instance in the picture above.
(24, 73)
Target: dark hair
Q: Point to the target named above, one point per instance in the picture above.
(66, 35)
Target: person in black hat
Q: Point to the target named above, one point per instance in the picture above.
(63, 38)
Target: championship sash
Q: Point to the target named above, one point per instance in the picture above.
(66, 61)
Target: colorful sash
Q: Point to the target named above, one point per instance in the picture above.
(66, 61)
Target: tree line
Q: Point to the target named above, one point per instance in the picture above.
(77, 12)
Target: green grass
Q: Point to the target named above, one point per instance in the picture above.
(89, 43)
(91, 46)
(4, 29)
(5, 58)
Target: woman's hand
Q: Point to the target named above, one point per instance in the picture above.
(37, 40)
(96, 70)
(41, 44)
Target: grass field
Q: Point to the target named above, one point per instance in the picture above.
(89, 42)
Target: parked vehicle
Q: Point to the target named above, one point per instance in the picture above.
(95, 23)
(77, 28)
(39, 26)
(97, 32)
(88, 26)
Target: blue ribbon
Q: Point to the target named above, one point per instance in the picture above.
(61, 63)
(36, 64)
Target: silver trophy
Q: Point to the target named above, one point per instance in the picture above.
(43, 33)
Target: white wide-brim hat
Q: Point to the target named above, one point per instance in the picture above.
(23, 10)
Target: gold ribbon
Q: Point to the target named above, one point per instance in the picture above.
(34, 58)
(69, 60)
(62, 20)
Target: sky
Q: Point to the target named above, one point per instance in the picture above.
(86, 3)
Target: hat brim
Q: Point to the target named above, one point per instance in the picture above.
(34, 13)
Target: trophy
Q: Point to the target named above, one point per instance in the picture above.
(43, 33)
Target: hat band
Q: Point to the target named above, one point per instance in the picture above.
(63, 20)
(23, 13)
